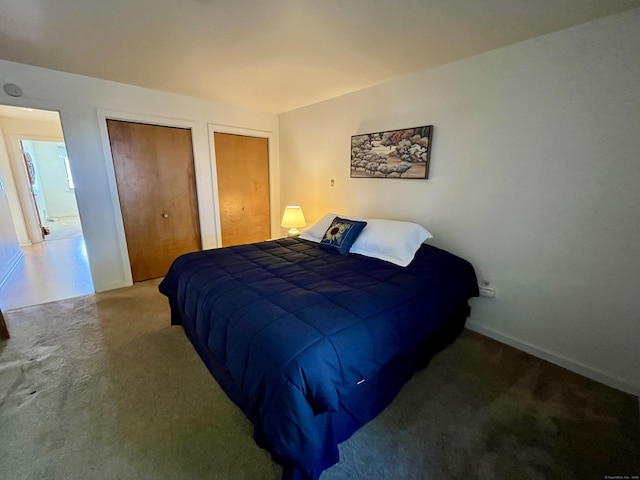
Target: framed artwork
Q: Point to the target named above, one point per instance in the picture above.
(393, 154)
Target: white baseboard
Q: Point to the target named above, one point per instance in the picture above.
(579, 368)
(98, 288)
(12, 266)
(64, 216)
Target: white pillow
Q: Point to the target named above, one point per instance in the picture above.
(390, 240)
(316, 232)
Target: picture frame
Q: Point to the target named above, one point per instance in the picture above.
(402, 154)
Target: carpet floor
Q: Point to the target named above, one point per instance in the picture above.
(102, 387)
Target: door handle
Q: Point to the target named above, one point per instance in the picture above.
(165, 215)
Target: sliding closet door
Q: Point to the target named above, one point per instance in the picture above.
(156, 187)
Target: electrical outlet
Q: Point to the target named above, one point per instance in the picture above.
(486, 291)
(333, 182)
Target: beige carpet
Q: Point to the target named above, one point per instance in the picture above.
(101, 387)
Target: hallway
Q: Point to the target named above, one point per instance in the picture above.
(49, 271)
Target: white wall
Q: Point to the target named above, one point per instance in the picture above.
(59, 199)
(10, 252)
(534, 178)
(82, 102)
(15, 220)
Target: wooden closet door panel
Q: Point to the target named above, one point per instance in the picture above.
(242, 165)
(156, 188)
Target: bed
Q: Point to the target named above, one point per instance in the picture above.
(312, 344)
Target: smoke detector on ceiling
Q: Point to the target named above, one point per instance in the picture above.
(12, 90)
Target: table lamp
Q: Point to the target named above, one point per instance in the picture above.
(292, 219)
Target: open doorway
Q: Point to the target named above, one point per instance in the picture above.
(41, 195)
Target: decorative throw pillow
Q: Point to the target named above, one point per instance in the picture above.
(315, 233)
(341, 234)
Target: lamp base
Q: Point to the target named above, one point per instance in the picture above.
(293, 232)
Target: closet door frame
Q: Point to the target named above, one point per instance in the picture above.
(202, 177)
(274, 174)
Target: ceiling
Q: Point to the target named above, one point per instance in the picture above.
(28, 114)
(272, 55)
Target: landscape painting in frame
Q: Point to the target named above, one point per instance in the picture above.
(393, 154)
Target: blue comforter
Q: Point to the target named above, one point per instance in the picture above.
(290, 331)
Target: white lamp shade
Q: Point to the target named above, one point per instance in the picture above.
(293, 219)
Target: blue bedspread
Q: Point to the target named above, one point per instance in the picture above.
(291, 332)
